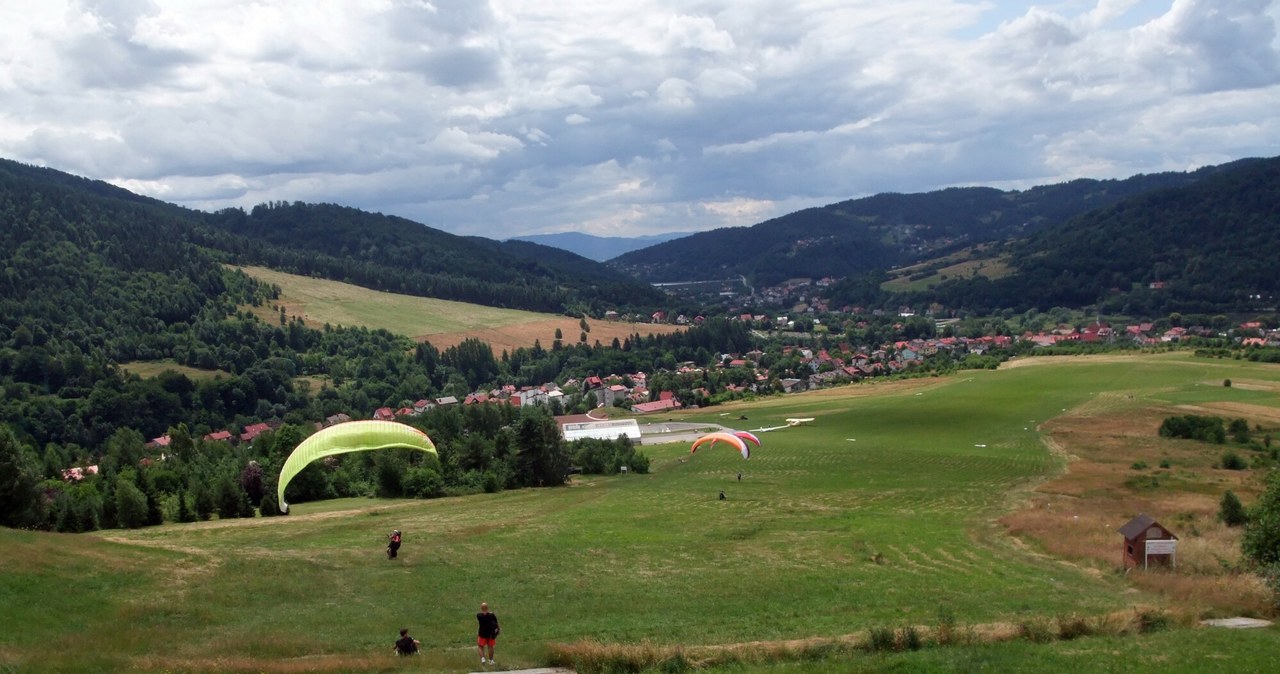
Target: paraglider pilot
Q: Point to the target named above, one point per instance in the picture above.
(406, 645)
(393, 544)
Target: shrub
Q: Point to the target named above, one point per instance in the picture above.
(268, 506)
(1230, 511)
(1233, 461)
(1153, 620)
(1194, 427)
(1036, 629)
(946, 625)
(1226, 383)
(1261, 541)
(1139, 465)
(909, 639)
(881, 639)
(1072, 627)
(131, 504)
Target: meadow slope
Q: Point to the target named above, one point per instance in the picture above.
(883, 512)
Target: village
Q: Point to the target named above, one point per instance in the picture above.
(786, 369)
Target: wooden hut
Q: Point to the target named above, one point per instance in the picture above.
(1148, 542)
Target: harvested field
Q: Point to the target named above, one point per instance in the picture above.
(442, 322)
(515, 335)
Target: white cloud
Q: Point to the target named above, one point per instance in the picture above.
(627, 118)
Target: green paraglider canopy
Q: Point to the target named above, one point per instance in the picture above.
(352, 436)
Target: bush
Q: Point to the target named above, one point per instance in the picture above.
(1261, 541)
(1073, 627)
(1194, 427)
(881, 639)
(909, 639)
(1037, 629)
(268, 506)
(1226, 383)
(1230, 511)
(423, 482)
(1233, 461)
(1139, 465)
(131, 504)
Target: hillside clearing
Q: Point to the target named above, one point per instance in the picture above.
(444, 323)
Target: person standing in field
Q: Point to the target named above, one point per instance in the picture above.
(487, 636)
(393, 544)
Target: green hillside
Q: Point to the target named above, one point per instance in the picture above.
(882, 231)
(880, 514)
(1205, 247)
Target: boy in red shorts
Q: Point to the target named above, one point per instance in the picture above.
(488, 634)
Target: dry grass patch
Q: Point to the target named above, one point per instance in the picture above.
(523, 335)
(595, 657)
(1115, 472)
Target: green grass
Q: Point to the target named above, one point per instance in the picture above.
(1180, 650)
(151, 368)
(877, 514)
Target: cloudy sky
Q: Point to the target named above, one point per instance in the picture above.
(625, 118)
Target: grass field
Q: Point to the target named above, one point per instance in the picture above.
(442, 322)
(968, 263)
(150, 368)
(885, 512)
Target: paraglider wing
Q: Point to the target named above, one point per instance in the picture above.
(748, 435)
(351, 436)
(720, 436)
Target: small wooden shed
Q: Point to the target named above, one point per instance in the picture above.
(1147, 542)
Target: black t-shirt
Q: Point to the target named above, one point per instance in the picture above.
(405, 645)
(488, 625)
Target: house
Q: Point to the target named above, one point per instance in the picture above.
(252, 431)
(614, 393)
(162, 441)
(384, 414)
(338, 418)
(1147, 542)
(656, 406)
(77, 473)
(218, 436)
(793, 385)
(406, 412)
(446, 400)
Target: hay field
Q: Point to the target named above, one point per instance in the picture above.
(885, 511)
(442, 322)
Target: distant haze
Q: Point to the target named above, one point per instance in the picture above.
(599, 248)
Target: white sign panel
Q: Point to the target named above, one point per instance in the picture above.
(1162, 547)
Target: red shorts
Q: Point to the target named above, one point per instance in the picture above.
(486, 641)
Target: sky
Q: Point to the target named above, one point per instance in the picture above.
(515, 117)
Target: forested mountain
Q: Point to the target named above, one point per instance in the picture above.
(598, 248)
(390, 253)
(1207, 247)
(854, 237)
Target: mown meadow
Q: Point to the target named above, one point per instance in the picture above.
(882, 514)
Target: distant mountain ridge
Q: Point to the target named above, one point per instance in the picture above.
(884, 231)
(598, 248)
